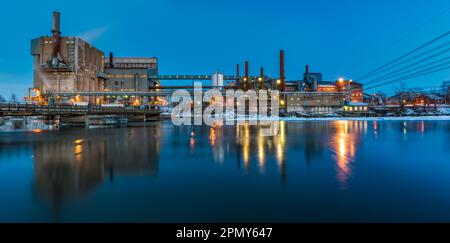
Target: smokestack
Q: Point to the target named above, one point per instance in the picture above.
(246, 76)
(237, 71)
(56, 24)
(282, 84)
(261, 78)
(56, 38)
(307, 69)
(111, 60)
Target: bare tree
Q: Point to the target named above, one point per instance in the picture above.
(2, 100)
(402, 93)
(446, 91)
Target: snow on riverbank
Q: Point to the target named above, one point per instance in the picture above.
(405, 118)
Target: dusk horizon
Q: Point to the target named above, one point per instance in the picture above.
(337, 38)
(225, 119)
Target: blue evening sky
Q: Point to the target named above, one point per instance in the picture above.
(336, 37)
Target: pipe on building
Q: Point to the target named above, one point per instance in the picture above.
(111, 60)
(237, 71)
(282, 81)
(261, 78)
(56, 32)
(246, 76)
(56, 23)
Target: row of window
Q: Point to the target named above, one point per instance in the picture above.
(126, 76)
(356, 108)
(132, 65)
(51, 42)
(357, 94)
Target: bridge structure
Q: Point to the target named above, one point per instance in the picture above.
(197, 77)
(19, 109)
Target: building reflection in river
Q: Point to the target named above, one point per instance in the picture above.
(344, 143)
(77, 162)
(253, 146)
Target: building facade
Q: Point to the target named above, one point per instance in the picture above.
(130, 74)
(70, 64)
(64, 64)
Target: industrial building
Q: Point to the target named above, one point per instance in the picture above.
(130, 74)
(66, 63)
(70, 64)
(66, 66)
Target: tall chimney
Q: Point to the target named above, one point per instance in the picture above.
(261, 78)
(237, 71)
(56, 24)
(246, 76)
(111, 60)
(282, 84)
(56, 37)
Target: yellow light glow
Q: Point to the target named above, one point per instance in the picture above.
(37, 130)
(136, 103)
(278, 81)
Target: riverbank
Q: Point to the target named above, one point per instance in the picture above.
(11, 124)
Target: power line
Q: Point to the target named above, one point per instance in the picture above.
(415, 57)
(400, 71)
(403, 56)
(414, 75)
(409, 76)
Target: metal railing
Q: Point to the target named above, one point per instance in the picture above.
(32, 109)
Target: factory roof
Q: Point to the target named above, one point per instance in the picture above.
(327, 83)
(133, 60)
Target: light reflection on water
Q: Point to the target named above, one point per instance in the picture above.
(75, 164)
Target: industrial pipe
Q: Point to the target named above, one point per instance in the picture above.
(111, 60)
(282, 81)
(56, 34)
(261, 78)
(246, 76)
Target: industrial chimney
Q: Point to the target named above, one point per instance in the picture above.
(56, 60)
(56, 24)
(111, 60)
(237, 71)
(246, 76)
(282, 81)
(261, 78)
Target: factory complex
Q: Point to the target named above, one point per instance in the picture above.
(70, 71)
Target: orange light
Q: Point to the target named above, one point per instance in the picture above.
(37, 130)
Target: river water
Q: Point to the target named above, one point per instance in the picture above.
(311, 171)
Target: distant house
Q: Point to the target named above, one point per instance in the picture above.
(415, 99)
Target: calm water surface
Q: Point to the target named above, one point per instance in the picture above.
(330, 171)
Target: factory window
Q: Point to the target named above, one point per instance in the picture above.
(116, 83)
